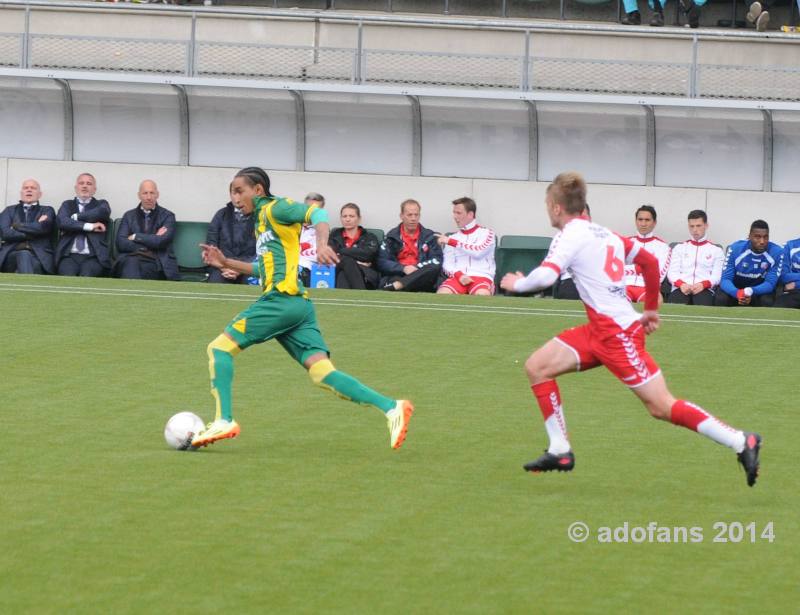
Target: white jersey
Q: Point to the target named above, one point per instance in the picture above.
(308, 246)
(658, 248)
(470, 252)
(696, 261)
(596, 258)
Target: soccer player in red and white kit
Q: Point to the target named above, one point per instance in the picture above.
(646, 238)
(468, 254)
(614, 335)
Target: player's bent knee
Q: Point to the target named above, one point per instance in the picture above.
(319, 371)
(225, 344)
(659, 411)
(536, 368)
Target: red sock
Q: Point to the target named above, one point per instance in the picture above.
(544, 391)
(693, 417)
(687, 415)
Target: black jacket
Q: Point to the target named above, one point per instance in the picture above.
(14, 230)
(236, 240)
(430, 252)
(159, 245)
(94, 211)
(365, 249)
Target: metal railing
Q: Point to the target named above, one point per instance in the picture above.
(362, 65)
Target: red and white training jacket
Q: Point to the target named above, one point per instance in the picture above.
(658, 248)
(308, 246)
(695, 261)
(470, 252)
(596, 258)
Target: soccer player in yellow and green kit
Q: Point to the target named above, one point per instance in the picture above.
(283, 311)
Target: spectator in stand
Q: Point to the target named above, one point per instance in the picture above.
(144, 239)
(645, 223)
(790, 276)
(357, 249)
(410, 257)
(308, 241)
(751, 270)
(695, 266)
(632, 17)
(26, 230)
(233, 233)
(758, 14)
(468, 260)
(83, 248)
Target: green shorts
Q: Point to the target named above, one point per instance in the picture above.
(289, 319)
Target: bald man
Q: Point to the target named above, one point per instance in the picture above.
(144, 239)
(26, 230)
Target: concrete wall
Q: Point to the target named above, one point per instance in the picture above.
(510, 207)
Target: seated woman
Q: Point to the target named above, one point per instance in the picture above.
(357, 249)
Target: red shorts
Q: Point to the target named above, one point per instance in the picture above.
(623, 354)
(635, 293)
(477, 284)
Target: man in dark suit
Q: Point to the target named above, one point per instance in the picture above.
(144, 239)
(26, 230)
(83, 249)
(232, 232)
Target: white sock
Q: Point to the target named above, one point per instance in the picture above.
(557, 432)
(722, 434)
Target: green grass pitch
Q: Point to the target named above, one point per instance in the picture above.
(309, 511)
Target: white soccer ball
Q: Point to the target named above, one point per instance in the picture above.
(181, 428)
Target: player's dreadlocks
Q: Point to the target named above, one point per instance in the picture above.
(256, 176)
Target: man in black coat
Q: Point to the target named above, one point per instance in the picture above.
(26, 230)
(144, 239)
(410, 257)
(83, 248)
(232, 232)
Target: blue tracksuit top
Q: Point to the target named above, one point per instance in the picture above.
(790, 269)
(743, 268)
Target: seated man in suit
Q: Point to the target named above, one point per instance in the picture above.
(83, 249)
(26, 230)
(231, 231)
(144, 239)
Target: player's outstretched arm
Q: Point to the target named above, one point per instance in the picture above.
(509, 279)
(650, 321)
(541, 277)
(326, 255)
(214, 257)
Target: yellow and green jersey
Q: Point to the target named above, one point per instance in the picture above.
(277, 228)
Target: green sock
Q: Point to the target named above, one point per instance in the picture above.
(221, 368)
(344, 385)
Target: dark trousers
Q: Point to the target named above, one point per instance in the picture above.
(724, 299)
(789, 299)
(422, 280)
(215, 277)
(566, 289)
(137, 267)
(84, 265)
(705, 297)
(22, 261)
(349, 274)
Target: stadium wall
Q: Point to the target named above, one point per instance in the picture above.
(510, 207)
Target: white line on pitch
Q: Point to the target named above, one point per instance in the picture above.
(502, 310)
